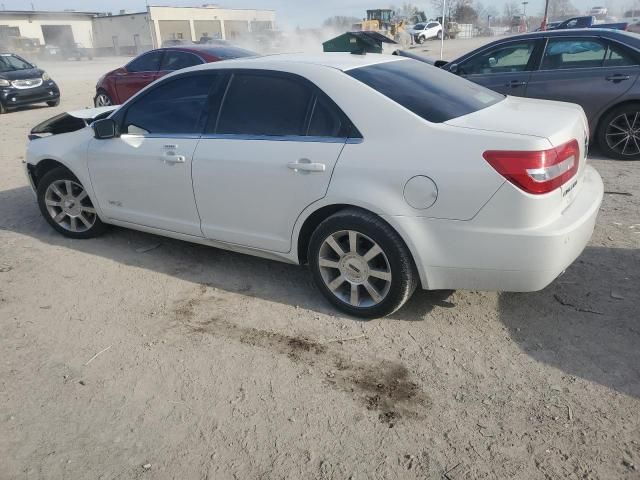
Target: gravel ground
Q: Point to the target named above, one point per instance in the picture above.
(217, 365)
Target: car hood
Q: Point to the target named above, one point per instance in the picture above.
(552, 120)
(70, 121)
(22, 74)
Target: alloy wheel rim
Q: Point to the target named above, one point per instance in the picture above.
(69, 206)
(355, 269)
(623, 134)
(103, 100)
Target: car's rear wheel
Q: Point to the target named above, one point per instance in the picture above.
(3, 109)
(102, 99)
(619, 133)
(64, 203)
(361, 264)
(439, 35)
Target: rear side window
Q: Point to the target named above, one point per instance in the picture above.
(427, 91)
(257, 104)
(327, 120)
(174, 60)
(149, 62)
(174, 107)
(618, 56)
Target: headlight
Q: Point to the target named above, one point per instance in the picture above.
(4, 83)
(45, 76)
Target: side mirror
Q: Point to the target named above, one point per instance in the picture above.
(454, 69)
(103, 129)
(440, 63)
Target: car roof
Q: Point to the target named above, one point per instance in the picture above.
(339, 61)
(572, 32)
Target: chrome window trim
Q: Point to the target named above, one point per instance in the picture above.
(272, 138)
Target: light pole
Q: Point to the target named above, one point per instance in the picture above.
(524, 8)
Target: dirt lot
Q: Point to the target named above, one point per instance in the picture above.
(217, 365)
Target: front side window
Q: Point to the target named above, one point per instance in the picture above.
(174, 60)
(427, 91)
(263, 104)
(573, 53)
(513, 57)
(149, 62)
(178, 106)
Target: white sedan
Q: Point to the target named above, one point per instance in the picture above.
(382, 173)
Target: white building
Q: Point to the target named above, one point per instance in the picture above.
(131, 33)
(55, 28)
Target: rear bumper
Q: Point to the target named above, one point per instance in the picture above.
(465, 255)
(13, 97)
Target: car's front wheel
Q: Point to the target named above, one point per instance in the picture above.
(64, 203)
(54, 103)
(102, 99)
(619, 133)
(421, 39)
(361, 264)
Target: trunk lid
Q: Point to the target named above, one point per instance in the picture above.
(557, 122)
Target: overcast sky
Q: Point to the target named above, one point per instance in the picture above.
(306, 13)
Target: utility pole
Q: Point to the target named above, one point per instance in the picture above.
(524, 8)
(444, 23)
(545, 19)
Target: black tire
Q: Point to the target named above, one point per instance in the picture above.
(439, 36)
(404, 277)
(98, 93)
(63, 174)
(606, 128)
(421, 40)
(3, 109)
(54, 103)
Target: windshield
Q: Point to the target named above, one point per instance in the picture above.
(432, 93)
(10, 63)
(419, 26)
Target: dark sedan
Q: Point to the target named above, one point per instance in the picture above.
(22, 83)
(119, 85)
(595, 68)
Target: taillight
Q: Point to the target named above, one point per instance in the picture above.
(537, 172)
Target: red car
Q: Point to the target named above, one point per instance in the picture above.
(119, 85)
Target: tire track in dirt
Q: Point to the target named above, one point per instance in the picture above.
(383, 386)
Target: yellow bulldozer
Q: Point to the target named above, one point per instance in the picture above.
(388, 22)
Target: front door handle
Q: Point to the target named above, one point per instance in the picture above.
(305, 165)
(516, 84)
(171, 158)
(617, 78)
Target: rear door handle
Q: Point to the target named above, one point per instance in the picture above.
(516, 84)
(305, 165)
(617, 78)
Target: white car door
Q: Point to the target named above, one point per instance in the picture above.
(143, 176)
(269, 155)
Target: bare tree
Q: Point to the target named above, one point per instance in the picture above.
(511, 8)
(560, 9)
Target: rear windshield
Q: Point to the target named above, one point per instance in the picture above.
(227, 52)
(432, 93)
